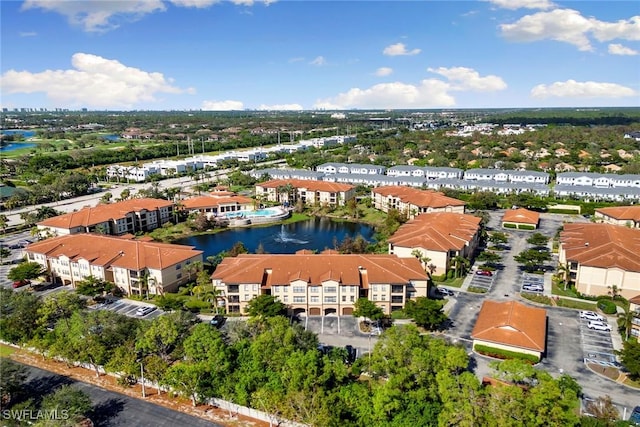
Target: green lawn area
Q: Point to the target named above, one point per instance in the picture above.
(558, 289)
(6, 351)
(580, 305)
(454, 283)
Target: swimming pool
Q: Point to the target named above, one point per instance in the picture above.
(259, 213)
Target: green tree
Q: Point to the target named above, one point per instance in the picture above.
(4, 223)
(92, 286)
(76, 404)
(630, 358)
(264, 306)
(18, 322)
(604, 410)
(25, 271)
(187, 379)
(426, 312)
(498, 237)
(363, 307)
(532, 259)
(164, 334)
(12, 378)
(538, 240)
(57, 306)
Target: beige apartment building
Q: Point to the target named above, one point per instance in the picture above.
(218, 204)
(308, 191)
(599, 256)
(438, 237)
(135, 266)
(320, 284)
(626, 216)
(125, 217)
(413, 202)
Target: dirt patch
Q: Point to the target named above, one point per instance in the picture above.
(108, 382)
(609, 372)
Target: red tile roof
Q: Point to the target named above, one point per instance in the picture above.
(602, 245)
(203, 202)
(359, 270)
(512, 323)
(622, 213)
(88, 216)
(521, 216)
(109, 251)
(420, 198)
(330, 187)
(438, 231)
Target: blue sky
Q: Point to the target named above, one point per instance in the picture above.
(292, 55)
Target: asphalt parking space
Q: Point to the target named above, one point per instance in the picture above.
(532, 280)
(127, 308)
(484, 282)
(597, 346)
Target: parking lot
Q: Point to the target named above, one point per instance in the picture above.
(127, 308)
(482, 281)
(597, 345)
(532, 283)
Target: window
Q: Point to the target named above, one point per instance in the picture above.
(286, 298)
(299, 289)
(179, 276)
(383, 297)
(374, 288)
(344, 298)
(298, 299)
(375, 297)
(330, 299)
(276, 289)
(314, 289)
(330, 289)
(178, 266)
(246, 297)
(353, 299)
(315, 299)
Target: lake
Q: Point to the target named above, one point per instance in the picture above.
(17, 145)
(315, 234)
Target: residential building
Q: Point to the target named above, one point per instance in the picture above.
(599, 180)
(439, 237)
(597, 257)
(289, 191)
(320, 284)
(426, 172)
(511, 326)
(351, 168)
(499, 175)
(412, 201)
(125, 217)
(634, 306)
(626, 216)
(218, 203)
(135, 266)
(521, 218)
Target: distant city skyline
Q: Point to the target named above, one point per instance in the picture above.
(332, 55)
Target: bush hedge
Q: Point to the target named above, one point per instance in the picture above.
(499, 353)
(607, 306)
(509, 225)
(526, 227)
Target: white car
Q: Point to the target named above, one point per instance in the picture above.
(445, 292)
(590, 315)
(599, 326)
(143, 311)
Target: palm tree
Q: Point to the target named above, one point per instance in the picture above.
(614, 291)
(460, 264)
(4, 222)
(625, 320)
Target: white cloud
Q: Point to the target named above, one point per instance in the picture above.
(574, 89)
(383, 71)
(96, 16)
(318, 61)
(226, 105)
(429, 93)
(93, 82)
(199, 4)
(281, 107)
(522, 4)
(618, 49)
(28, 34)
(462, 78)
(105, 15)
(563, 25)
(296, 59)
(569, 26)
(625, 30)
(399, 49)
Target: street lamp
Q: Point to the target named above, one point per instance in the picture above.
(141, 359)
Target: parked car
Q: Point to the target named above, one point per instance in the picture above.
(352, 353)
(217, 320)
(590, 315)
(484, 273)
(143, 311)
(444, 292)
(635, 416)
(534, 288)
(21, 283)
(599, 326)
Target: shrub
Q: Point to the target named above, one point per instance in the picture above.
(477, 290)
(607, 306)
(509, 225)
(499, 353)
(526, 227)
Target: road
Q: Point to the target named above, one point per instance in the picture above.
(110, 408)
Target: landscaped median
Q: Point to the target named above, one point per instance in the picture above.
(502, 354)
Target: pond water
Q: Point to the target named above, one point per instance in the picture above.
(17, 145)
(315, 234)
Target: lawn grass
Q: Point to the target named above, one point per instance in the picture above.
(6, 351)
(558, 289)
(454, 283)
(580, 305)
